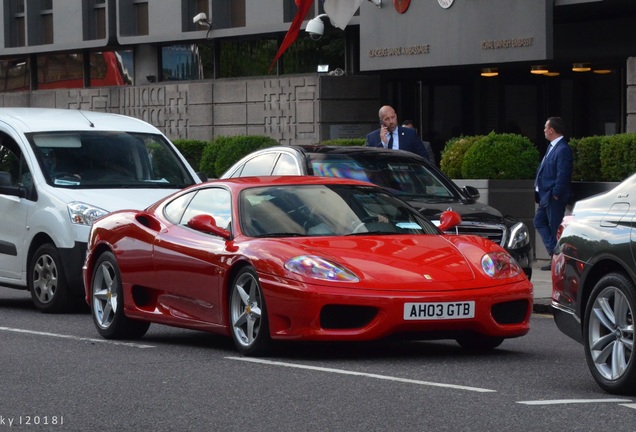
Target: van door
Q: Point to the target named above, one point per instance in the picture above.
(14, 213)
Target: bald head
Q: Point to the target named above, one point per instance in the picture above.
(388, 117)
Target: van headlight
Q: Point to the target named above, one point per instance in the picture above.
(84, 214)
(519, 236)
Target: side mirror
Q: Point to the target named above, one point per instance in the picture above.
(206, 223)
(471, 192)
(6, 188)
(449, 219)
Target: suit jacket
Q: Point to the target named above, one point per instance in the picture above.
(409, 141)
(554, 175)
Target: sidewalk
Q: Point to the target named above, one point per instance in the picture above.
(542, 281)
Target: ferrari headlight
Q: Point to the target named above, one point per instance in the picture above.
(319, 268)
(84, 214)
(500, 265)
(519, 236)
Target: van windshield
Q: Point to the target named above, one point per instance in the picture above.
(109, 160)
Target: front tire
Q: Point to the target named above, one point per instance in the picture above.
(107, 302)
(608, 334)
(248, 314)
(47, 283)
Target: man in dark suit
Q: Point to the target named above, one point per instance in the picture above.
(393, 137)
(553, 184)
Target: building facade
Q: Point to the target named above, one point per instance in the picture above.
(453, 66)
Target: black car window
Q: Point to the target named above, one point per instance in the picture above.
(403, 177)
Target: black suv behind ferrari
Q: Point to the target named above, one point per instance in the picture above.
(407, 175)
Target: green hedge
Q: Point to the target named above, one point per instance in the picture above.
(345, 142)
(510, 156)
(453, 154)
(222, 152)
(192, 150)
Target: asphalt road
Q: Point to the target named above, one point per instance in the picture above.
(55, 368)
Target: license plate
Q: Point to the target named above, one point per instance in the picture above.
(439, 311)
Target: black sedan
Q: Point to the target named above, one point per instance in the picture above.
(594, 284)
(407, 175)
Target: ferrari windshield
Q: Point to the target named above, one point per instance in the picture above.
(402, 176)
(109, 159)
(321, 210)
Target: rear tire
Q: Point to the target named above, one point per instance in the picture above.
(107, 302)
(608, 334)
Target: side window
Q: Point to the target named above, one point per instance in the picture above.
(259, 165)
(174, 210)
(13, 163)
(212, 201)
(286, 165)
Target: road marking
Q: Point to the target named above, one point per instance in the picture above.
(111, 342)
(571, 401)
(364, 374)
(629, 405)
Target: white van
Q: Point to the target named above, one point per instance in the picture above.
(59, 171)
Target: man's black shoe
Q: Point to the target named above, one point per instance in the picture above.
(546, 267)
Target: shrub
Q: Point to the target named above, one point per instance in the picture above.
(453, 155)
(618, 156)
(501, 156)
(192, 150)
(345, 142)
(223, 152)
(587, 158)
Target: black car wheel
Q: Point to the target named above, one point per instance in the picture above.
(46, 281)
(107, 302)
(248, 314)
(608, 334)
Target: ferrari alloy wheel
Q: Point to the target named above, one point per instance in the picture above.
(46, 281)
(248, 316)
(608, 334)
(479, 342)
(107, 302)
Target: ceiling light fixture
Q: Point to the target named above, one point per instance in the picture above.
(539, 69)
(552, 74)
(581, 67)
(602, 70)
(490, 72)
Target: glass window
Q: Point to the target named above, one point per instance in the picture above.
(286, 165)
(13, 165)
(174, 210)
(79, 160)
(215, 202)
(14, 74)
(259, 166)
(181, 62)
(246, 57)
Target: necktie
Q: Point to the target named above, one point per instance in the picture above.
(390, 144)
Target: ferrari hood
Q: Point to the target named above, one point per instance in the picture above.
(407, 262)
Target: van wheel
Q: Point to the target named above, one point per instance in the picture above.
(47, 281)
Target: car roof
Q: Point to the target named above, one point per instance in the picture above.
(354, 151)
(53, 119)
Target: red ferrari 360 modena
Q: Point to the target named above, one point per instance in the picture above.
(262, 259)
